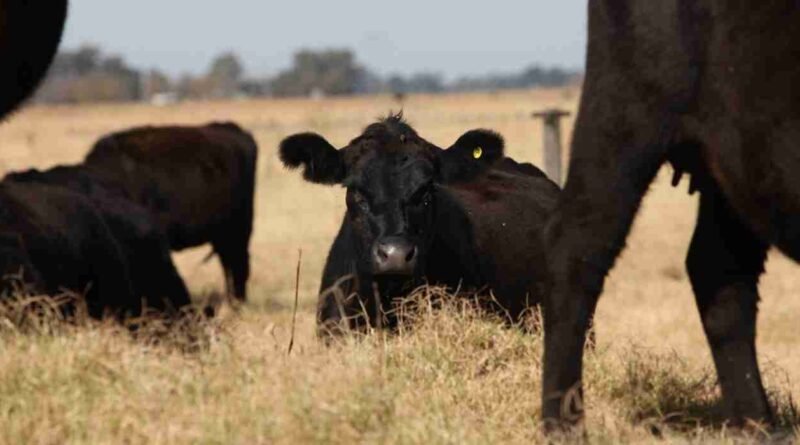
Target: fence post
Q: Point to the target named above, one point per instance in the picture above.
(551, 142)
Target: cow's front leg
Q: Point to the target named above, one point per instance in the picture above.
(614, 160)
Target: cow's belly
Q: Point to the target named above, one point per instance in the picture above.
(757, 166)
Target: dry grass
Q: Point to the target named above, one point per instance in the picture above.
(454, 377)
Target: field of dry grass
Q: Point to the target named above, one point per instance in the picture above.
(454, 378)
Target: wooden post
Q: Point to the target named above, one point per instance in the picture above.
(551, 142)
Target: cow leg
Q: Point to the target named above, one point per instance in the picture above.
(614, 160)
(240, 272)
(168, 290)
(724, 262)
(176, 295)
(112, 290)
(235, 258)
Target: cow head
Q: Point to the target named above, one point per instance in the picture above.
(393, 179)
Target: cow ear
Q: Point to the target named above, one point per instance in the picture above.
(322, 162)
(472, 154)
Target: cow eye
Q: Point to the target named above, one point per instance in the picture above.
(423, 195)
(360, 199)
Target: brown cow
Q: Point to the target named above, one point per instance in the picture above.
(198, 182)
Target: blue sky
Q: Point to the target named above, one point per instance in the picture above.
(445, 36)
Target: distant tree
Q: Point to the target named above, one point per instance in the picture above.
(223, 79)
(202, 87)
(226, 66)
(113, 65)
(75, 63)
(224, 75)
(426, 83)
(539, 76)
(531, 77)
(256, 87)
(368, 82)
(86, 59)
(155, 82)
(99, 87)
(127, 78)
(423, 82)
(87, 75)
(183, 86)
(331, 72)
(396, 84)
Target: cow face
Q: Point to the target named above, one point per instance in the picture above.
(393, 180)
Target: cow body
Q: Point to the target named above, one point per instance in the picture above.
(486, 237)
(710, 86)
(154, 277)
(29, 37)
(417, 213)
(198, 182)
(58, 240)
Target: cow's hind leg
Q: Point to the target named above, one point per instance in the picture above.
(235, 258)
(724, 262)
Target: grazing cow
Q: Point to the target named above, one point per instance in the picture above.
(198, 182)
(153, 274)
(417, 213)
(51, 238)
(711, 86)
(58, 240)
(29, 36)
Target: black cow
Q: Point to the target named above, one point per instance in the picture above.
(197, 181)
(144, 245)
(58, 241)
(54, 238)
(711, 86)
(29, 36)
(417, 213)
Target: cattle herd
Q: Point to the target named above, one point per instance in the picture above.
(708, 85)
(141, 193)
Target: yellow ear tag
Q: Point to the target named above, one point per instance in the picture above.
(477, 153)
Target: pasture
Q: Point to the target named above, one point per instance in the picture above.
(454, 378)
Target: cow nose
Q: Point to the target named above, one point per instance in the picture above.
(394, 255)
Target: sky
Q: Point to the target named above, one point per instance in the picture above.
(449, 37)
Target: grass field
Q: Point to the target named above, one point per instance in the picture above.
(454, 378)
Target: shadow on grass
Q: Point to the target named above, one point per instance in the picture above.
(664, 394)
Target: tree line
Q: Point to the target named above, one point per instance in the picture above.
(87, 74)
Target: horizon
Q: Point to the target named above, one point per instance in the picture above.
(520, 37)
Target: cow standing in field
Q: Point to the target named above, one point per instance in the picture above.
(464, 217)
(145, 247)
(711, 86)
(198, 182)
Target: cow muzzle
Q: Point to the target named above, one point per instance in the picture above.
(394, 255)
